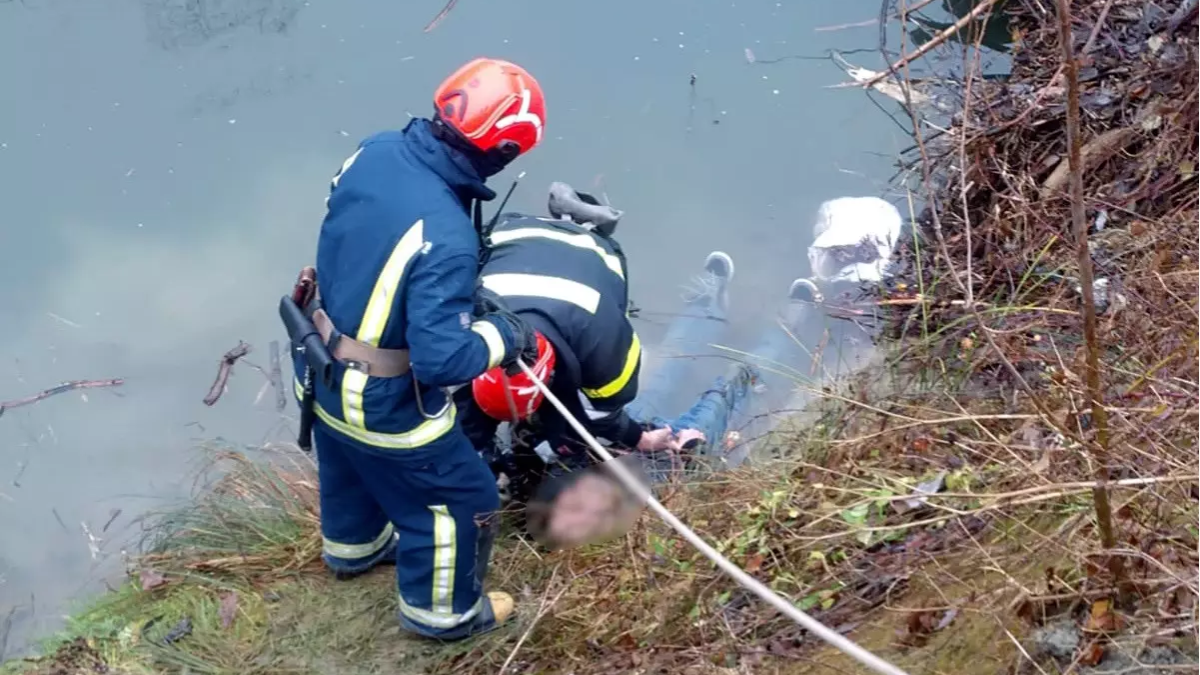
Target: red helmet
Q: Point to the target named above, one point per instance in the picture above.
(494, 104)
(514, 397)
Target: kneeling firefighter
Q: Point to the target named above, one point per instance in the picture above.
(389, 322)
(567, 278)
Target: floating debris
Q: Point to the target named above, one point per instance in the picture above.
(64, 387)
(62, 320)
(224, 371)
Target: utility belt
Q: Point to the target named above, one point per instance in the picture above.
(374, 361)
(314, 336)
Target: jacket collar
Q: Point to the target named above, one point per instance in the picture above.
(449, 164)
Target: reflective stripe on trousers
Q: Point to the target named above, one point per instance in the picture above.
(435, 509)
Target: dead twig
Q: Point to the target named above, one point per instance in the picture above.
(937, 40)
(440, 15)
(1095, 397)
(224, 370)
(64, 387)
(1097, 151)
(546, 606)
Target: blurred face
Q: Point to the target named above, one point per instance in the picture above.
(592, 508)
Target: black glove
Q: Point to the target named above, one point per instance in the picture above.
(523, 341)
(487, 302)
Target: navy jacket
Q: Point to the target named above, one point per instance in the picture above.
(570, 285)
(397, 260)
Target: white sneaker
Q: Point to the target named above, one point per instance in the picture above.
(720, 264)
(714, 283)
(804, 290)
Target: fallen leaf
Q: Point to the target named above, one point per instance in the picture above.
(919, 625)
(1091, 654)
(1160, 261)
(228, 610)
(1101, 618)
(856, 515)
(151, 579)
(1137, 228)
(809, 601)
(754, 563)
(920, 444)
(1155, 43)
(921, 622)
(1186, 169)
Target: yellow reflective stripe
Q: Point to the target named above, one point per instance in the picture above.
(444, 553)
(539, 286)
(495, 344)
(632, 358)
(584, 241)
(379, 307)
(436, 620)
(354, 383)
(424, 434)
(355, 551)
(375, 318)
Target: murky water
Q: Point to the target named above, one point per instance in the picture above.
(164, 165)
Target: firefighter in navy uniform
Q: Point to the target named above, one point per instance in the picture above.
(395, 312)
(567, 279)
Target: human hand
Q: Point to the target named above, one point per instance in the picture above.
(666, 439)
(686, 436)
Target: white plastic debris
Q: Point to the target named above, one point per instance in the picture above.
(885, 86)
(853, 239)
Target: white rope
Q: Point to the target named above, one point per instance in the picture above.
(748, 582)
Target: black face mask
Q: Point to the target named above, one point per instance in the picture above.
(486, 163)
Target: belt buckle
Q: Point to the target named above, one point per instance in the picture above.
(361, 366)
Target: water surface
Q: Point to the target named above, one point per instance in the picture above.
(164, 167)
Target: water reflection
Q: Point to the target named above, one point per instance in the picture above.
(187, 23)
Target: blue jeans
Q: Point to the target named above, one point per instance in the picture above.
(773, 367)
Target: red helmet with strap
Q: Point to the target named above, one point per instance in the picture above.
(512, 398)
(495, 105)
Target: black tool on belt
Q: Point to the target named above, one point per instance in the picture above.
(296, 312)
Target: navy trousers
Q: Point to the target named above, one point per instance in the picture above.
(433, 511)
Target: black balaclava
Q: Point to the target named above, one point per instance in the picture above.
(487, 164)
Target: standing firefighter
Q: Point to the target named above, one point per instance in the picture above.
(390, 323)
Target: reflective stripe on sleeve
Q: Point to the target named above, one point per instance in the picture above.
(491, 336)
(632, 358)
(540, 286)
